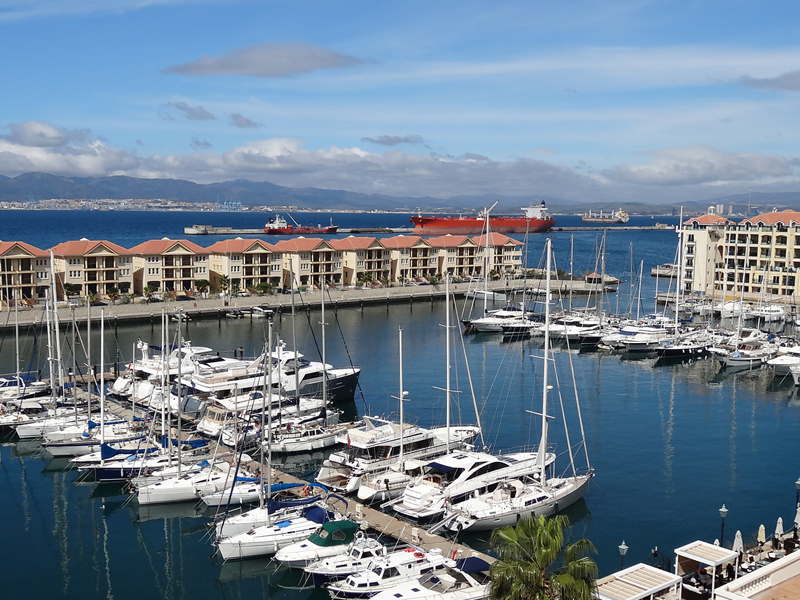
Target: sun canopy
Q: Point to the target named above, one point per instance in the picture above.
(636, 583)
(702, 553)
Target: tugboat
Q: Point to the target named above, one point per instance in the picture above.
(279, 226)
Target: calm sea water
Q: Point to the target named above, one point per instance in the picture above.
(670, 444)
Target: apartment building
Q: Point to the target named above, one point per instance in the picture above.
(756, 258)
(501, 254)
(312, 261)
(169, 265)
(24, 273)
(411, 256)
(247, 263)
(456, 254)
(363, 259)
(87, 267)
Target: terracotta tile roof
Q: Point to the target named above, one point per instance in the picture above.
(21, 248)
(163, 246)
(709, 219)
(240, 245)
(402, 241)
(352, 242)
(449, 241)
(496, 239)
(301, 244)
(789, 218)
(84, 247)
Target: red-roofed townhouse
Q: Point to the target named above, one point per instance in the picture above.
(24, 272)
(313, 261)
(411, 257)
(456, 254)
(86, 267)
(504, 254)
(363, 259)
(249, 264)
(167, 265)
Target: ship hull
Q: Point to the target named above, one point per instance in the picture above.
(603, 220)
(470, 225)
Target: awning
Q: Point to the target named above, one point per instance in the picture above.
(636, 583)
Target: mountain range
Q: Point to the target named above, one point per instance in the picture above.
(41, 186)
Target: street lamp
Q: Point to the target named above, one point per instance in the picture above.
(623, 550)
(796, 504)
(723, 512)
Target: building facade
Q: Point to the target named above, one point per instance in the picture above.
(757, 258)
(24, 273)
(92, 267)
(169, 265)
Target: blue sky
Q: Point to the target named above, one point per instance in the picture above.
(586, 101)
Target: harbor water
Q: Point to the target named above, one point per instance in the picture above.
(670, 443)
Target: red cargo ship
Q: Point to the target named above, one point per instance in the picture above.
(279, 226)
(535, 219)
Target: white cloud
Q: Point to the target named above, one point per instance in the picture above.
(266, 60)
(17, 10)
(701, 165)
(671, 175)
(43, 135)
(193, 113)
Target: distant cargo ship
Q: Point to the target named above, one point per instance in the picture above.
(279, 226)
(535, 218)
(618, 216)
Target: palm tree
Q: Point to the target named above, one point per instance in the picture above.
(223, 283)
(148, 291)
(536, 564)
(202, 285)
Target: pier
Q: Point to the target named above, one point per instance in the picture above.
(215, 230)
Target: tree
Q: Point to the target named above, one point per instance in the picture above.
(148, 292)
(202, 285)
(535, 563)
(363, 278)
(223, 283)
(71, 289)
(113, 294)
(265, 287)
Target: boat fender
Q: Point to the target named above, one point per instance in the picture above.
(306, 490)
(419, 555)
(455, 553)
(410, 550)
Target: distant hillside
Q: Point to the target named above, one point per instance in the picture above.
(41, 186)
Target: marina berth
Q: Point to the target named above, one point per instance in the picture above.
(358, 556)
(374, 447)
(386, 572)
(468, 579)
(454, 477)
(331, 539)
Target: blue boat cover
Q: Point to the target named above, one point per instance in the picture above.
(107, 451)
(315, 514)
(472, 564)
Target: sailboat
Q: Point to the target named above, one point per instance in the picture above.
(453, 477)
(513, 499)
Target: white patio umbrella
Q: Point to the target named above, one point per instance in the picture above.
(716, 542)
(738, 543)
(762, 534)
(779, 528)
(797, 517)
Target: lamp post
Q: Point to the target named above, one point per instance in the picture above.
(723, 512)
(796, 504)
(623, 550)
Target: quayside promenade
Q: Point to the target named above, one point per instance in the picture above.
(218, 307)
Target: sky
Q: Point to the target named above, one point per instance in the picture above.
(588, 101)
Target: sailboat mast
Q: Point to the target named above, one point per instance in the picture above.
(541, 453)
(56, 333)
(679, 284)
(324, 354)
(180, 389)
(89, 373)
(400, 395)
(269, 424)
(16, 333)
(102, 379)
(447, 357)
(294, 344)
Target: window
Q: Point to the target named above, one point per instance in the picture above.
(338, 265)
(152, 271)
(276, 267)
(153, 259)
(305, 256)
(360, 264)
(75, 261)
(74, 274)
(304, 266)
(237, 257)
(199, 259)
(235, 269)
(199, 269)
(124, 272)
